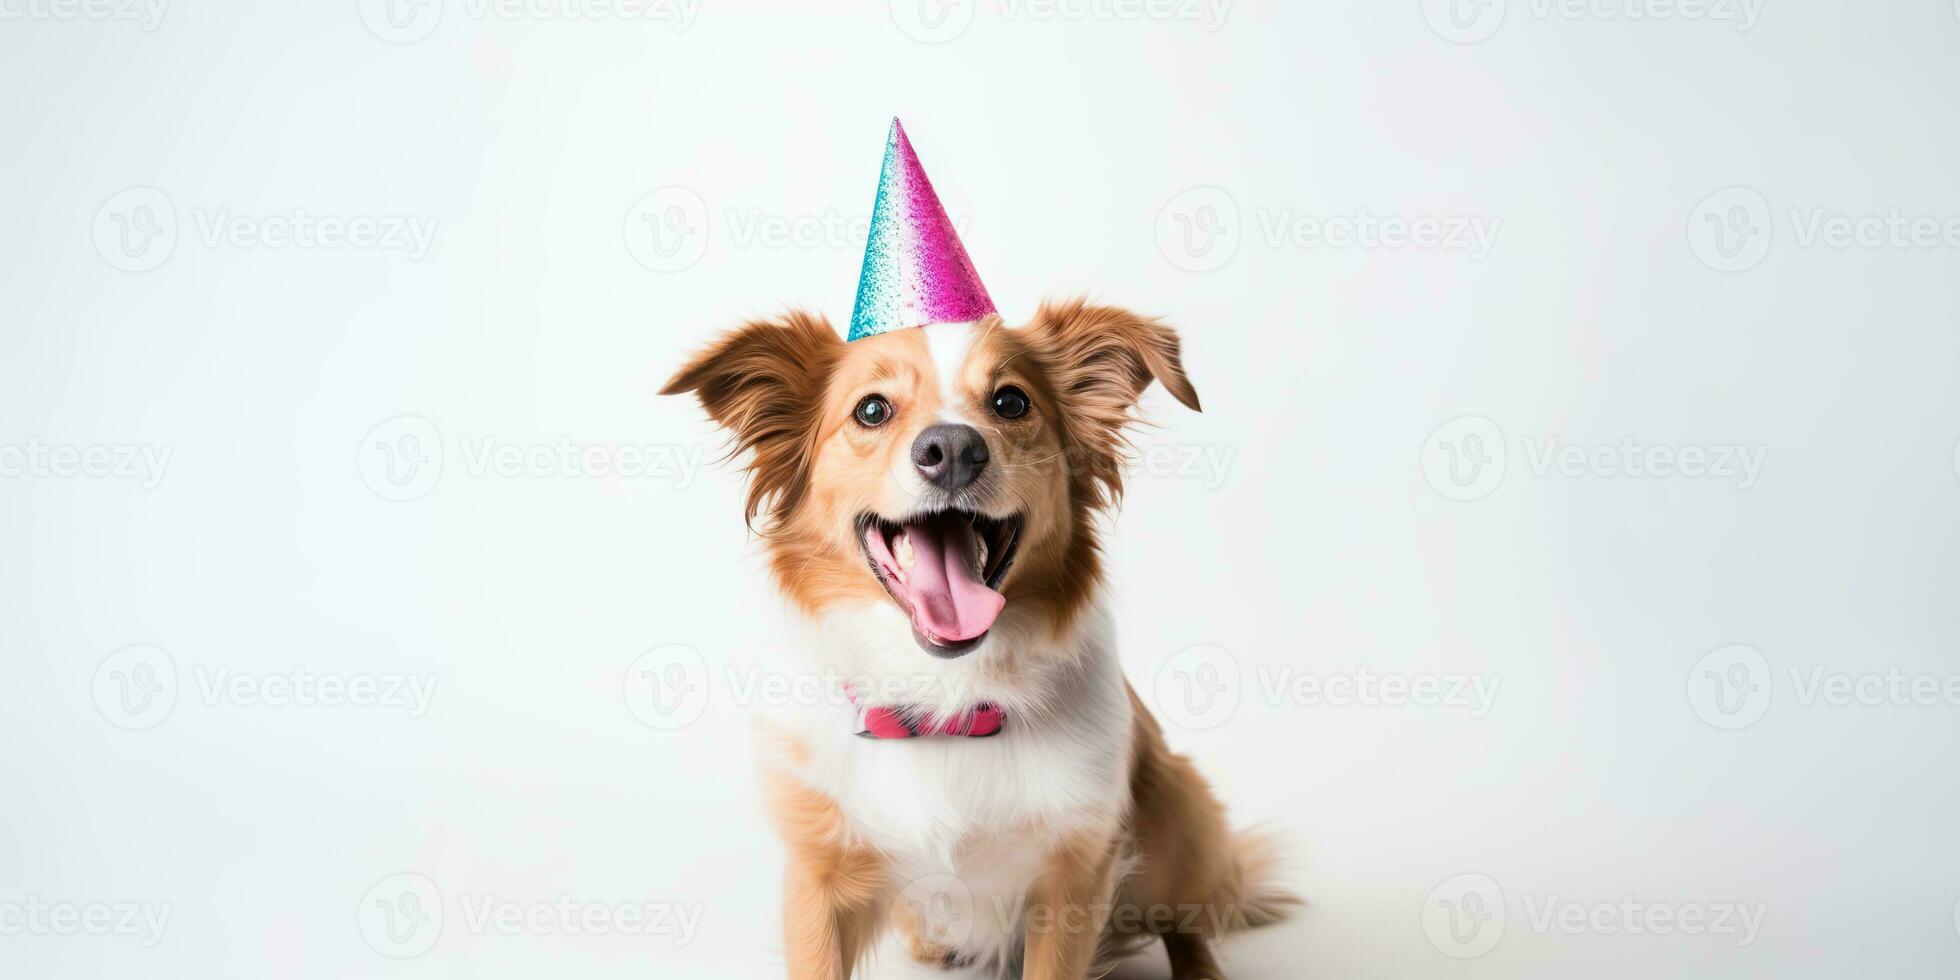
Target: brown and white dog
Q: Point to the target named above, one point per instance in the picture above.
(929, 502)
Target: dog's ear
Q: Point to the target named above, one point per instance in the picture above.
(1099, 359)
(764, 382)
(1109, 355)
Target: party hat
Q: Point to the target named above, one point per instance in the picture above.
(915, 270)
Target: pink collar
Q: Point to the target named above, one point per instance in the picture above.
(983, 721)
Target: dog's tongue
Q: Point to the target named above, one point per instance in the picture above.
(948, 599)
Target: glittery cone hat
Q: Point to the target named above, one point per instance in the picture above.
(915, 270)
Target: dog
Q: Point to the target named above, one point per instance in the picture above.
(991, 795)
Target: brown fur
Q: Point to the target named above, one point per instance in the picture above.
(1176, 872)
(785, 389)
(763, 382)
(1189, 849)
(834, 892)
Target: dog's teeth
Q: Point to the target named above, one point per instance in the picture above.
(983, 553)
(902, 550)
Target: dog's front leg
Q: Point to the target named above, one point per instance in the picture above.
(1067, 909)
(833, 891)
(828, 918)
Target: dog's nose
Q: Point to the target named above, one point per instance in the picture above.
(950, 455)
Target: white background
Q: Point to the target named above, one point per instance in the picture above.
(1606, 311)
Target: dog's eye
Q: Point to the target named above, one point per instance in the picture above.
(1010, 402)
(873, 411)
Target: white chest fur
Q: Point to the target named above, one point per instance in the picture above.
(967, 824)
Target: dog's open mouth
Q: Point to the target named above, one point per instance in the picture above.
(945, 571)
